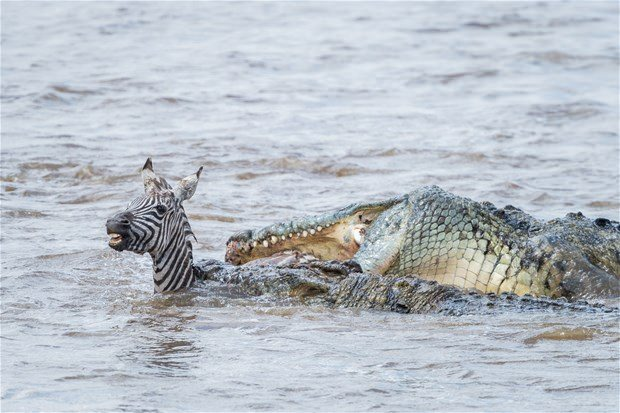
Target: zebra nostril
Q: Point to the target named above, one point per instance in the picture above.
(117, 223)
(124, 219)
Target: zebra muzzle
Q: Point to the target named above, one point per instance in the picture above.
(117, 228)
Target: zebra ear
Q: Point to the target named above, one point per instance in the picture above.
(187, 186)
(148, 176)
(152, 182)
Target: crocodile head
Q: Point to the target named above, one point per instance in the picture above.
(335, 235)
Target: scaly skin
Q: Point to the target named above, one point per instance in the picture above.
(438, 236)
(337, 285)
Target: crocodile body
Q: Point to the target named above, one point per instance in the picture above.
(336, 285)
(438, 236)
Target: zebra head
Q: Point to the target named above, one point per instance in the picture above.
(156, 223)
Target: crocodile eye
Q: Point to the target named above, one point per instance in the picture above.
(161, 209)
(365, 221)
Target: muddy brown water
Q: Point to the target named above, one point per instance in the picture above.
(292, 109)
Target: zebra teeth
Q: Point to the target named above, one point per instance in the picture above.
(115, 239)
(265, 243)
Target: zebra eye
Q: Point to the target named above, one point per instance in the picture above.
(161, 209)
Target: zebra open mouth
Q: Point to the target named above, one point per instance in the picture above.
(117, 230)
(115, 239)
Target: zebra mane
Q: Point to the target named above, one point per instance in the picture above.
(186, 226)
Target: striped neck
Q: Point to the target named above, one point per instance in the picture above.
(172, 262)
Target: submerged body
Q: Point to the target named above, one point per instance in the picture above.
(331, 283)
(438, 236)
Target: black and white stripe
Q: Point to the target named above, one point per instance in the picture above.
(158, 225)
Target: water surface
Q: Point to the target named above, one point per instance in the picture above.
(292, 109)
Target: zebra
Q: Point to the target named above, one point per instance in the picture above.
(156, 223)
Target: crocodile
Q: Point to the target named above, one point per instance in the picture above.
(299, 278)
(438, 236)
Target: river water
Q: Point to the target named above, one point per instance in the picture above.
(292, 109)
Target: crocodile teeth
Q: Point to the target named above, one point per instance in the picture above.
(319, 228)
(358, 235)
(290, 235)
(265, 243)
(304, 234)
(312, 231)
(274, 239)
(255, 243)
(298, 235)
(283, 237)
